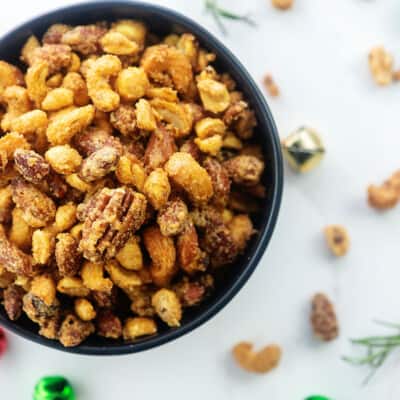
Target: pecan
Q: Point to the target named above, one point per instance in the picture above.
(14, 259)
(93, 139)
(57, 56)
(84, 39)
(234, 112)
(172, 217)
(73, 331)
(31, 165)
(67, 256)
(49, 328)
(110, 217)
(13, 301)
(189, 146)
(141, 301)
(124, 120)
(220, 181)
(99, 164)
(205, 216)
(245, 170)
(104, 299)
(56, 186)
(37, 310)
(160, 147)
(219, 244)
(108, 324)
(38, 209)
(193, 293)
(54, 34)
(190, 257)
(323, 318)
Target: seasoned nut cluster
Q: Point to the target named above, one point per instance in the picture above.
(126, 180)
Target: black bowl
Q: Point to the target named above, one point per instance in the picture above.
(163, 21)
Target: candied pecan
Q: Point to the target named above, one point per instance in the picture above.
(38, 209)
(111, 217)
(245, 170)
(193, 293)
(54, 34)
(14, 259)
(240, 119)
(31, 165)
(67, 256)
(37, 310)
(84, 39)
(160, 147)
(208, 215)
(323, 318)
(6, 204)
(13, 301)
(73, 331)
(218, 243)
(190, 257)
(57, 56)
(220, 180)
(189, 146)
(49, 328)
(141, 301)
(234, 112)
(105, 299)
(172, 217)
(241, 229)
(108, 324)
(99, 164)
(56, 186)
(93, 139)
(124, 120)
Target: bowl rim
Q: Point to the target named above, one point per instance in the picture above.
(270, 219)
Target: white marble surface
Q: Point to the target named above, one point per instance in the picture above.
(317, 53)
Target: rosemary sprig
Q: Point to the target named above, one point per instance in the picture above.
(219, 13)
(378, 349)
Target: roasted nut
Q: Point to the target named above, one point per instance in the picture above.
(67, 256)
(168, 66)
(99, 164)
(282, 4)
(245, 170)
(62, 128)
(65, 217)
(44, 288)
(31, 165)
(241, 230)
(162, 253)
(57, 56)
(53, 35)
(190, 257)
(159, 149)
(73, 331)
(72, 286)
(125, 279)
(186, 172)
(9, 76)
(261, 362)
(30, 122)
(28, 48)
(157, 188)
(35, 79)
(239, 118)
(323, 318)
(92, 277)
(108, 325)
(381, 65)
(43, 244)
(84, 309)
(84, 39)
(20, 232)
(124, 120)
(269, 83)
(220, 181)
(176, 115)
(63, 159)
(6, 204)
(11, 142)
(207, 127)
(168, 307)
(133, 30)
(145, 116)
(114, 42)
(17, 100)
(211, 145)
(55, 80)
(337, 239)
(74, 82)
(137, 327)
(130, 255)
(93, 139)
(141, 301)
(214, 95)
(130, 171)
(77, 183)
(38, 209)
(382, 197)
(192, 293)
(98, 75)
(38, 311)
(58, 98)
(188, 45)
(13, 295)
(172, 217)
(164, 93)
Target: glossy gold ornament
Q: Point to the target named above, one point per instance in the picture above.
(303, 149)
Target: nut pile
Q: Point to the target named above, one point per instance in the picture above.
(126, 177)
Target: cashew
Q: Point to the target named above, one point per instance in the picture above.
(18, 103)
(36, 82)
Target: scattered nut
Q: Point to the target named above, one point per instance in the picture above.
(337, 239)
(323, 318)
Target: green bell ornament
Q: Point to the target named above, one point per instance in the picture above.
(303, 149)
(53, 388)
(317, 397)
